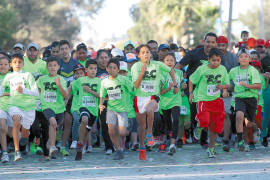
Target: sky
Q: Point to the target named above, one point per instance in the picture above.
(113, 20)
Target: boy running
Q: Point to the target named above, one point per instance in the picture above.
(209, 79)
(52, 89)
(23, 89)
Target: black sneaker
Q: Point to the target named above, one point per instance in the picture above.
(179, 143)
(226, 146)
(265, 142)
(118, 155)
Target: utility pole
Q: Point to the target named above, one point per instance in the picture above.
(229, 32)
(262, 20)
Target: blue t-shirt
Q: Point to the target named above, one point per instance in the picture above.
(66, 70)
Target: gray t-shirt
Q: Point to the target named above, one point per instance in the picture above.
(229, 61)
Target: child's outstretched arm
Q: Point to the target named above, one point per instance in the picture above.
(251, 86)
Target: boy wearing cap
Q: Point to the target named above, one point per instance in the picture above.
(32, 63)
(22, 89)
(131, 60)
(129, 47)
(247, 82)
(18, 48)
(163, 49)
(79, 71)
(52, 89)
(116, 52)
(88, 95)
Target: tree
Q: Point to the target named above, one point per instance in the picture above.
(48, 20)
(252, 20)
(163, 19)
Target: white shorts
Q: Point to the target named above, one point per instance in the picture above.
(117, 118)
(4, 115)
(140, 103)
(27, 117)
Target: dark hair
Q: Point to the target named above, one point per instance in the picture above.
(72, 52)
(52, 59)
(81, 46)
(152, 41)
(89, 62)
(256, 52)
(114, 61)
(214, 52)
(5, 57)
(99, 52)
(55, 44)
(210, 34)
(173, 47)
(63, 42)
(16, 55)
(144, 45)
(5, 54)
(182, 49)
(169, 54)
(244, 32)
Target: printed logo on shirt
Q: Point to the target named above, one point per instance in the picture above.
(93, 87)
(212, 79)
(150, 74)
(51, 86)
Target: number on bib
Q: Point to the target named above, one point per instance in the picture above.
(114, 94)
(50, 96)
(212, 90)
(88, 101)
(148, 86)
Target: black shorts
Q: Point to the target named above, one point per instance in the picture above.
(248, 106)
(91, 118)
(49, 113)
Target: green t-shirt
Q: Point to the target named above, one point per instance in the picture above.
(83, 63)
(3, 100)
(36, 69)
(75, 93)
(169, 99)
(25, 80)
(185, 107)
(130, 98)
(87, 99)
(250, 76)
(206, 80)
(261, 100)
(117, 90)
(150, 84)
(50, 95)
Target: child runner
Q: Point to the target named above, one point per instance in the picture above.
(23, 89)
(146, 75)
(209, 79)
(5, 121)
(88, 88)
(170, 100)
(247, 82)
(116, 87)
(78, 72)
(52, 89)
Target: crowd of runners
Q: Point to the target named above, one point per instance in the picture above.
(149, 96)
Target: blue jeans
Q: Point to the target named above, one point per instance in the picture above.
(75, 125)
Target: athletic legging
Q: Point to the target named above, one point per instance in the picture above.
(171, 119)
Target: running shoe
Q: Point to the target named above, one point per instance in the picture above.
(33, 148)
(79, 149)
(17, 156)
(118, 155)
(73, 145)
(4, 158)
(150, 139)
(39, 150)
(89, 149)
(63, 151)
(265, 142)
(162, 148)
(53, 151)
(243, 147)
(211, 152)
(172, 149)
(134, 147)
(197, 132)
(142, 154)
(226, 147)
(108, 152)
(251, 146)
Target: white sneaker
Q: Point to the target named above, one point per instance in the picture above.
(108, 152)
(73, 145)
(89, 149)
(5, 157)
(53, 152)
(84, 149)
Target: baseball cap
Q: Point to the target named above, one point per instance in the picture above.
(163, 46)
(117, 52)
(123, 66)
(77, 67)
(256, 63)
(130, 57)
(18, 45)
(222, 39)
(251, 42)
(260, 42)
(267, 43)
(33, 45)
(129, 42)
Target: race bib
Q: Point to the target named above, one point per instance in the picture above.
(114, 94)
(18, 81)
(148, 86)
(183, 110)
(50, 96)
(88, 101)
(243, 78)
(212, 90)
